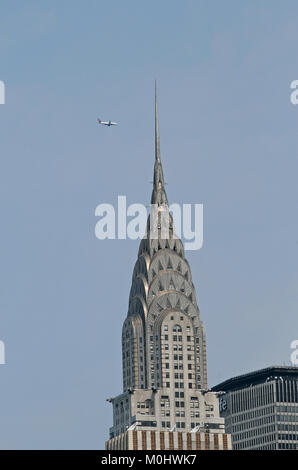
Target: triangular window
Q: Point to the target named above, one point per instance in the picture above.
(171, 285)
(169, 266)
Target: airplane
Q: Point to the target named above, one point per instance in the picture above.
(106, 123)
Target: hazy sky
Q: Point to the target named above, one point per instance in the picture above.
(229, 140)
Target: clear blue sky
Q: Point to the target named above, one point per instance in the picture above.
(229, 140)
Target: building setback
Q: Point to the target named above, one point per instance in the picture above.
(261, 408)
(165, 403)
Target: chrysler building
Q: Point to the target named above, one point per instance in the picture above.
(165, 403)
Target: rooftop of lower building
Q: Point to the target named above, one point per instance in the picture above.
(257, 377)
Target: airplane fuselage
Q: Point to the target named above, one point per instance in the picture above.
(107, 123)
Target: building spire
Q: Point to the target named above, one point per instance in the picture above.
(157, 140)
(159, 196)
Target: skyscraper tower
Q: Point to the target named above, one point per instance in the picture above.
(165, 403)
